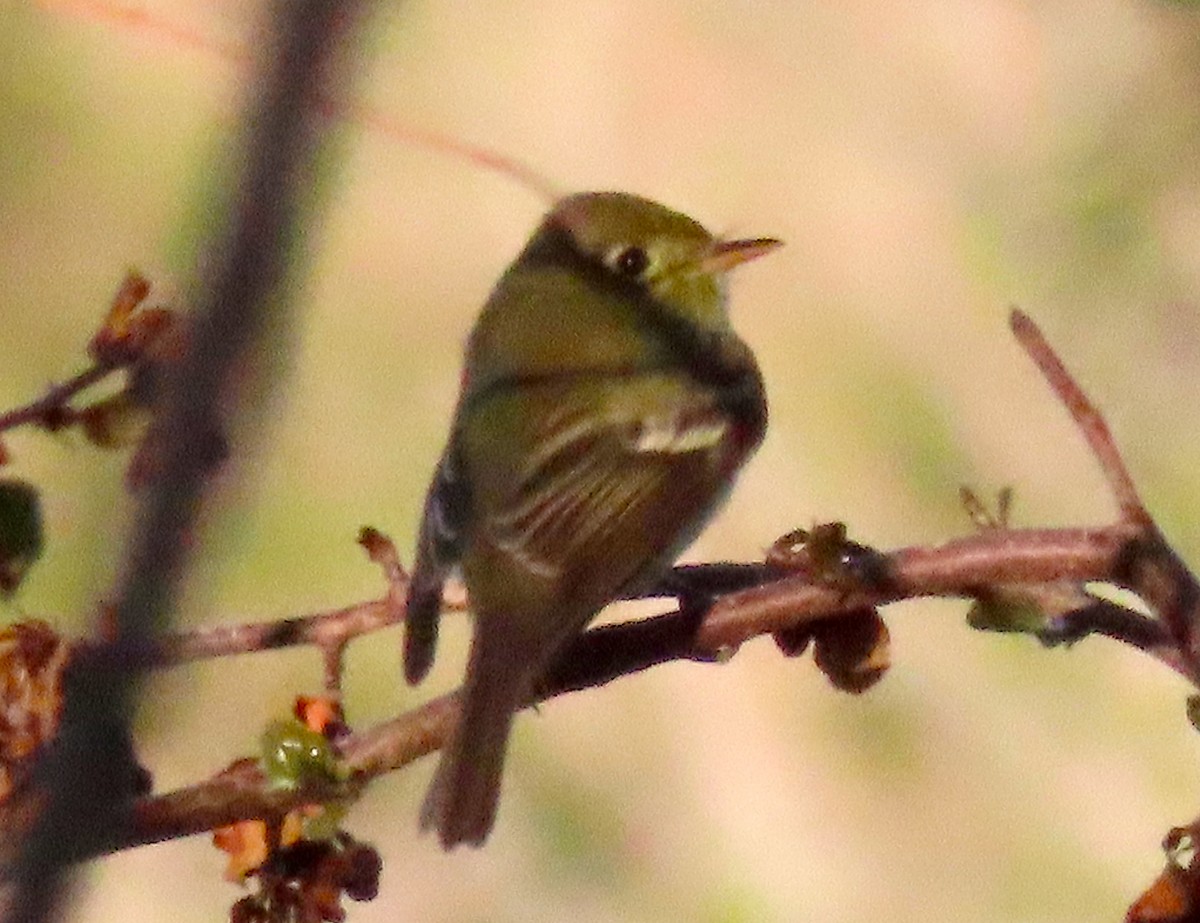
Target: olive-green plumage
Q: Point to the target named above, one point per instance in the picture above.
(606, 406)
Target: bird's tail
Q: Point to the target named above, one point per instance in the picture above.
(461, 802)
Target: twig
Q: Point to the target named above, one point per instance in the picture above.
(1112, 621)
(1089, 420)
(751, 599)
(328, 631)
(373, 119)
(112, 347)
(319, 629)
(1151, 567)
(51, 409)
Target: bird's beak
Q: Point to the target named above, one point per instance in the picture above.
(725, 254)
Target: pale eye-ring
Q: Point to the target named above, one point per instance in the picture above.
(630, 261)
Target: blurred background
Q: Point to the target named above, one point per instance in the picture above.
(929, 163)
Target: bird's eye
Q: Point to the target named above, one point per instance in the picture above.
(630, 261)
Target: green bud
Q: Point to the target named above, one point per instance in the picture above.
(293, 754)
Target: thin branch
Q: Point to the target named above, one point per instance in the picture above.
(329, 631)
(52, 410)
(750, 599)
(319, 629)
(1110, 620)
(175, 35)
(332, 630)
(1152, 567)
(1089, 420)
(110, 349)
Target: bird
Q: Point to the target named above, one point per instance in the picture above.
(606, 406)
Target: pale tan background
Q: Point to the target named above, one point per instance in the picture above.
(929, 162)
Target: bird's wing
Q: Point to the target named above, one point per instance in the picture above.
(613, 482)
(439, 549)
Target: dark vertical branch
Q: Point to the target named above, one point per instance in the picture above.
(89, 769)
